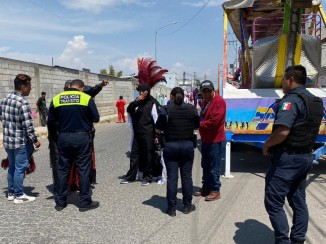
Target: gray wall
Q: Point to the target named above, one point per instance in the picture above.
(52, 79)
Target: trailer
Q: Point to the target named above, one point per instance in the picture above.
(273, 34)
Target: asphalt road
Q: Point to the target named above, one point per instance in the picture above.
(135, 214)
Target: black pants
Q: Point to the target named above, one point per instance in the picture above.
(141, 157)
(179, 154)
(74, 147)
(286, 178)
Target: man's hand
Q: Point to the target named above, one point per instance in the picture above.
(104, 83)
(265, 150)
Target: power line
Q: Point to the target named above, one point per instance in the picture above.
(189, 19)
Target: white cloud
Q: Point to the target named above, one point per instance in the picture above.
(213, 3)
(74, 49)
(98, 5)
(4, 49)
(128, 65)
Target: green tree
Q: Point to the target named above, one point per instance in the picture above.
(119, 74)
(103, 72)
(111, 71)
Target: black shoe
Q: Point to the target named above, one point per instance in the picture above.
(171, 212)
(189, 209)
(92, 205)
(60, 207)
(121, 177)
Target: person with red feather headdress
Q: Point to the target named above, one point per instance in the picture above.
(143, 113)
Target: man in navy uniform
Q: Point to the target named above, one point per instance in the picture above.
(74, 112)
(294, 133)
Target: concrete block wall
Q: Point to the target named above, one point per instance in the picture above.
(52, 79)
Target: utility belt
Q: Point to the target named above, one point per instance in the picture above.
(292, 151)
(75, 132)
(178, 139)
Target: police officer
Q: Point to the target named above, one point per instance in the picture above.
(74, 112)
(178, 121)
(53, 136)
(295, 129)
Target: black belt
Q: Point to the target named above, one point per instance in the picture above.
(291, 152)
(74, 132)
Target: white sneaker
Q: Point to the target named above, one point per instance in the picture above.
(145, 183)
(11, 196)
(23, 198)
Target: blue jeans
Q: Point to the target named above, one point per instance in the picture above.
(18, 163)
(211, 163)
(286, 178)
(179, 154)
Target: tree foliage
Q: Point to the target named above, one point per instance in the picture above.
(119, 74)
(111, 71)
(103, 72)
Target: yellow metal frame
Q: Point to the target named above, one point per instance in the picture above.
(298, 49)
(282, 51)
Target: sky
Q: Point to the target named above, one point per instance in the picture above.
(94, 34)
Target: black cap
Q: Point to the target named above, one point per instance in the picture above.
(207, 84)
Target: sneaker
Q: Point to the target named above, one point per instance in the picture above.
(11, 196)
(121, 177)
(144, 183)
(92, 205)
(59, 207)
(124, 181)
(189, 209)
(24, 198)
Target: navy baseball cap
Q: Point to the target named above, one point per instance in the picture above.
(207, 84)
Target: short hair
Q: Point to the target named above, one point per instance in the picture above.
(78, 83)
(67, 85)
(298, 72)
(120, 97)
(43, 93)
(178, 95)
(22, 80)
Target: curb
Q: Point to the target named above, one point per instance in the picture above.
(42, 132)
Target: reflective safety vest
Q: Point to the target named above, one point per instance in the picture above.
(69, 98)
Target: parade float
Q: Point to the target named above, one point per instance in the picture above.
(273, 34)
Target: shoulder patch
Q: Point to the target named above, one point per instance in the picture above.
(286, 106)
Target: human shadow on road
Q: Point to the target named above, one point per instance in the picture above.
(28, 190)
(127, 154)
(50, 188)
(160, 203)
(72, 198)
(253, 232)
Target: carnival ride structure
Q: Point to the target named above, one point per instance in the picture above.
(274, 34)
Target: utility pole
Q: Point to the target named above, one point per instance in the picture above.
(184, 78)
(192, 83)
(236, 52)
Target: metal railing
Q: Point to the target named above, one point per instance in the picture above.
(273, 26)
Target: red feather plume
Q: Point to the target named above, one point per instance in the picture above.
(149, 72)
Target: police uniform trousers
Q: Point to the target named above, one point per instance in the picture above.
(74, 147)
(179, 154)
(141, 157)
(286, 178)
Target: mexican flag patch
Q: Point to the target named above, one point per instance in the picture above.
(286, 106)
